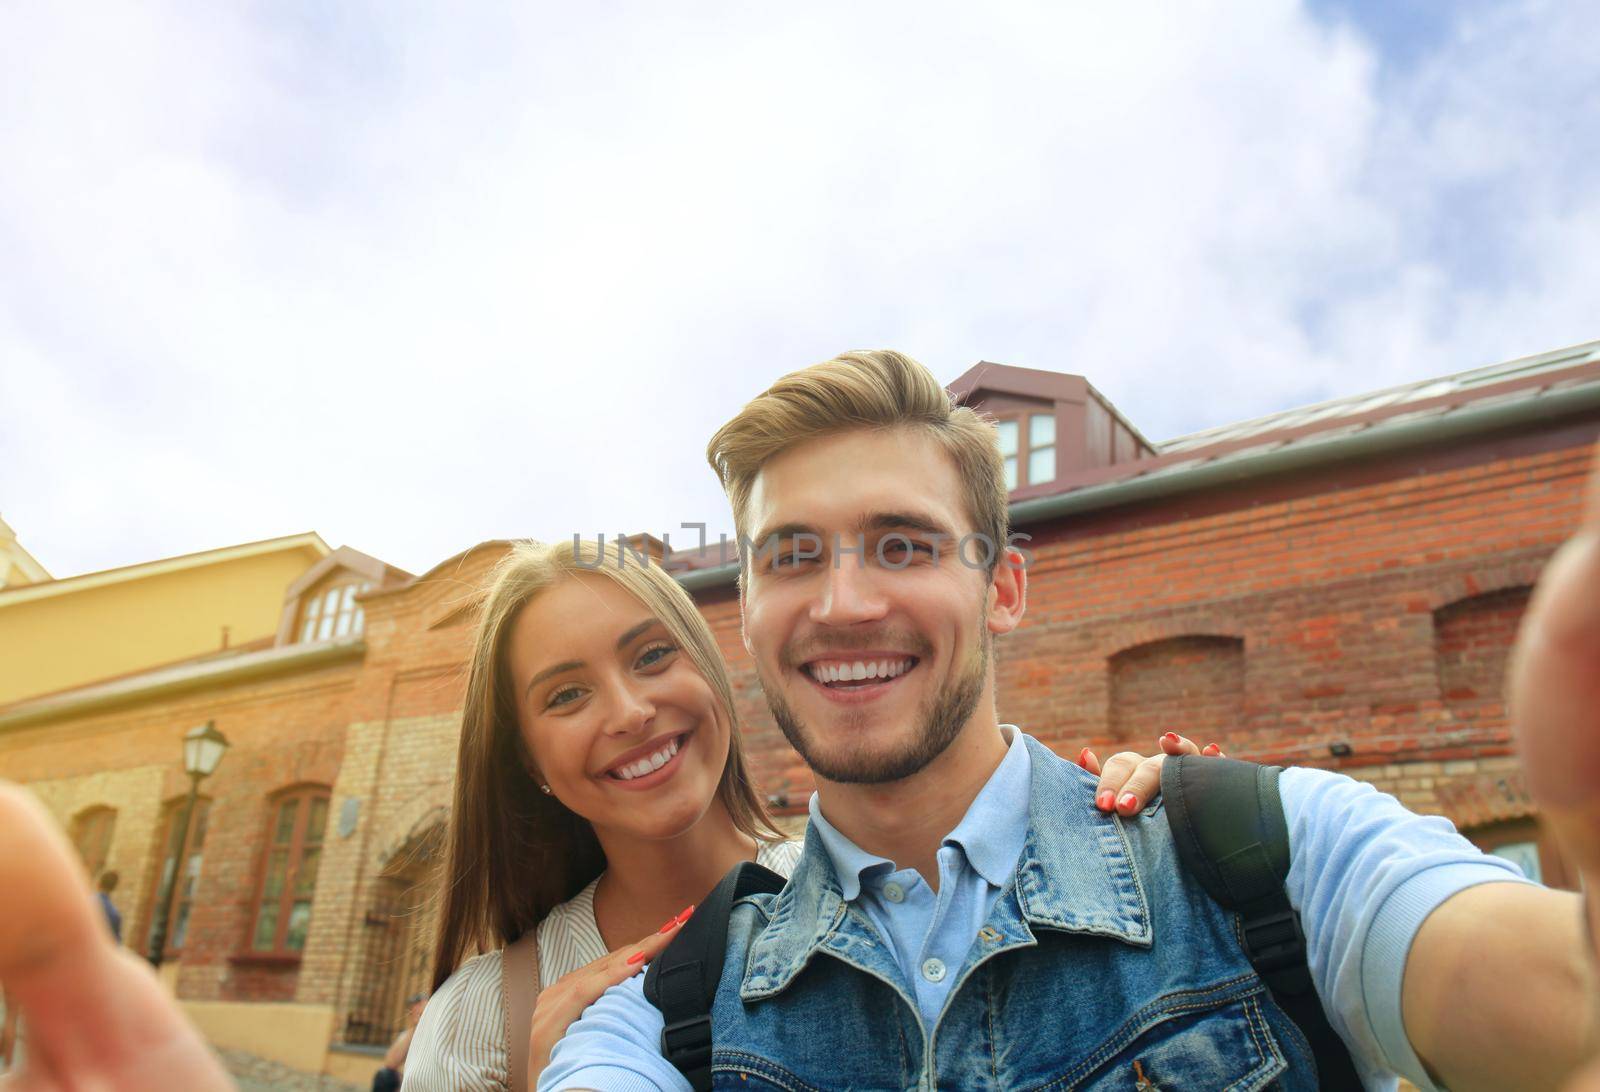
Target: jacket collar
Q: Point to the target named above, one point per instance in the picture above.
(1076, 874)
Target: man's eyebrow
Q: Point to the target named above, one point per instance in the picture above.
(903, 521)
(572, 665)
(785, 530)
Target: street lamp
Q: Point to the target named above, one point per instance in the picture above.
(202, 750)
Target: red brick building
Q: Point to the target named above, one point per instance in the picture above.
(1336, 585)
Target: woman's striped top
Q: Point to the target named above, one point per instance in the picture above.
(460, 1043)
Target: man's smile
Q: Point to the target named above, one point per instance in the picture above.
(861, 676)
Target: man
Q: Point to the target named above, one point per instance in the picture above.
(108, 884)
(962, 915)
(1497, 991)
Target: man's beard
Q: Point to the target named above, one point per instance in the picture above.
(942, 719)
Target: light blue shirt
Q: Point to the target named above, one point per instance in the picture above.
(930, 933)
(1364, 875)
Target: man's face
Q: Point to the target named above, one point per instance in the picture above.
(917, 628)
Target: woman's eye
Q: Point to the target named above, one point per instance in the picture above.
(655, 654)
(565, 696)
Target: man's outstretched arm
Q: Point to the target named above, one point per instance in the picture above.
(1500, 989)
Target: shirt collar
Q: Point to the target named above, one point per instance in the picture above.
(995, 827)
(1075, 873)
(991, 833)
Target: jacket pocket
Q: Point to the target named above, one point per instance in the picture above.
(1185, 1042)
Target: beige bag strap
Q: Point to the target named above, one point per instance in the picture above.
(519, 984)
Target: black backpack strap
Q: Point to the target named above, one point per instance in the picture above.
(682, 982)
(1227, 822)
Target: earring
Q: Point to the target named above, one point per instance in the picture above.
(545, 789)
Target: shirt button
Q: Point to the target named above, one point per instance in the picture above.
(933, 970)
(894, 892)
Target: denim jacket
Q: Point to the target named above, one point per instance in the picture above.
(1102, 966)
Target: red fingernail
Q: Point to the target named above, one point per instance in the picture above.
(1083, 758)
(1171, 737)
(1105, 800)
(636, 957)
(1128, 802)
(672, 923)
(683, 917)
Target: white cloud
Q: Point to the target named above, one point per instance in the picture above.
(419, 278)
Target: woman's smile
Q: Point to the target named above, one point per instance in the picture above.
(648, 765)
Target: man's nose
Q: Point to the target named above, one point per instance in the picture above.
(849, 595)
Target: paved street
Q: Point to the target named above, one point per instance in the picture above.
(259, 1075)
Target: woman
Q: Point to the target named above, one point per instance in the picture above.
(601, 791)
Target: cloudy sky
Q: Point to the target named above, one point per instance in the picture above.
(418, 275)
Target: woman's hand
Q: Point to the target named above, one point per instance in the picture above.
(94, 1014)
(1129, 780)
(563, 1001)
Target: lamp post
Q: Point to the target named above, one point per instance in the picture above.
(202, 750)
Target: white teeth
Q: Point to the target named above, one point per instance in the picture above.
(648, 765)
(859, 670)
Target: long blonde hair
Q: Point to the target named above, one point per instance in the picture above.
(516, 853)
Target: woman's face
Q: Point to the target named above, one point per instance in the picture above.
(620, 724)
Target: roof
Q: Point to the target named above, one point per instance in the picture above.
(13, 552)
(1517, 392)
(1299, 433)
(1525, 378)
(28, 592)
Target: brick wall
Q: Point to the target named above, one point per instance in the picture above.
(1193, 684)
(1330, 588)
(1364, 606)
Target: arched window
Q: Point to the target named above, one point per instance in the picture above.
(91, 833)
(332, 612)
(181, 852)
(289, 871)
(1471, 642)
(1192, 685)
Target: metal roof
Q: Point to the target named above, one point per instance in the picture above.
(1390, 403)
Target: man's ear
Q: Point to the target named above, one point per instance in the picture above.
(1007, 597)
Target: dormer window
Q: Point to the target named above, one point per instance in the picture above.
(1036, 457)
(333, 613)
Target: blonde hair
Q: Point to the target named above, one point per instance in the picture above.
(877, 388)
(514, 852)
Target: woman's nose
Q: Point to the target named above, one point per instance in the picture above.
(633, 711)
